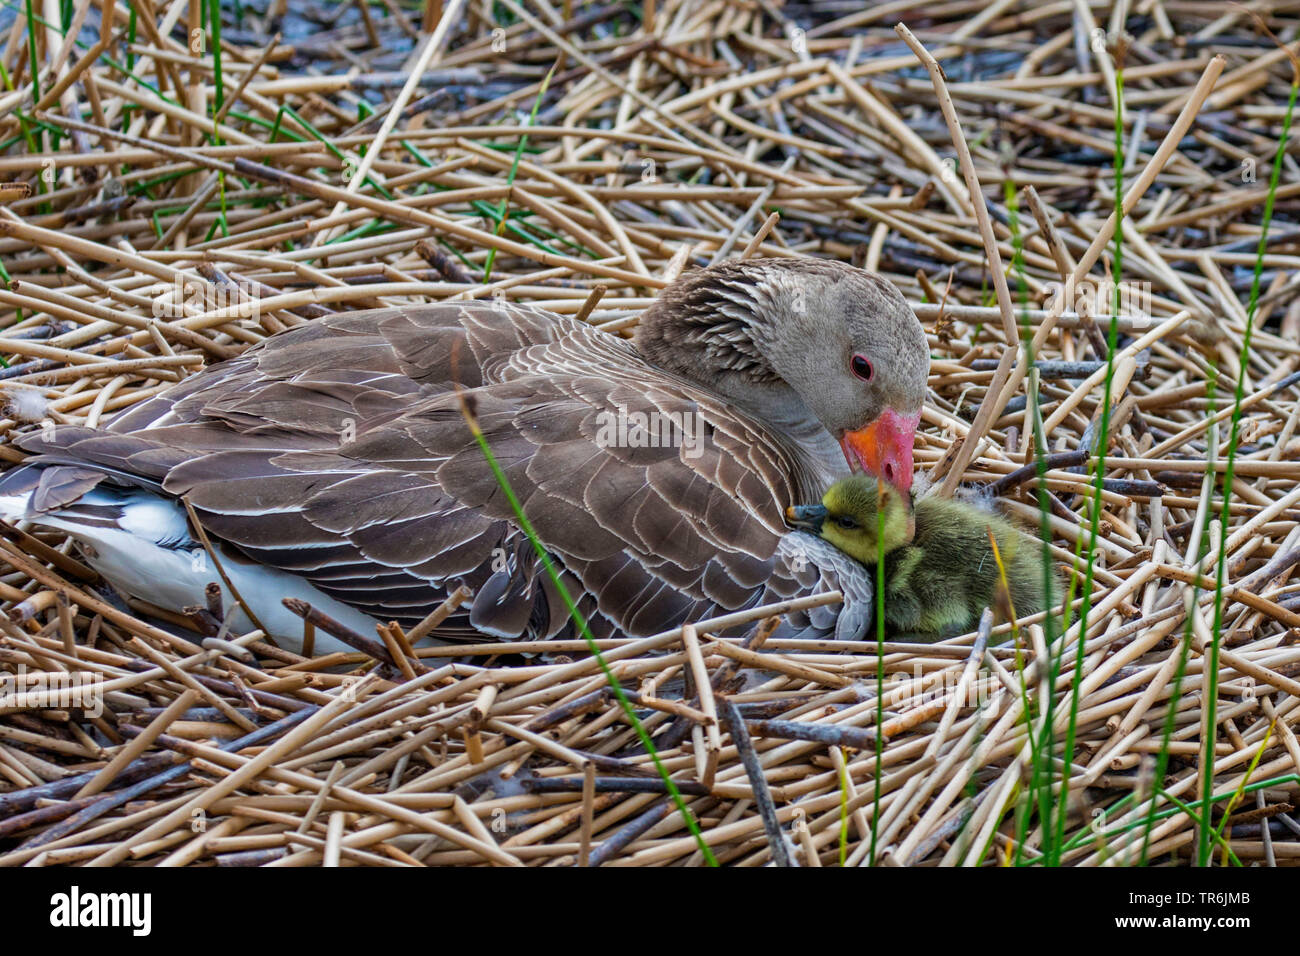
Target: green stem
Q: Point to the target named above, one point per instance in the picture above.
(581, 622)
(1212, 660)
(880, 683)
(1099, 472)
(514, 170)
(1038, 761)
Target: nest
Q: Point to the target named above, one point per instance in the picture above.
(162, 208)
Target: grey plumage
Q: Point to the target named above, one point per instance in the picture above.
(337, 450)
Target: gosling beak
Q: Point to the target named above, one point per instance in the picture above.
(884, 448)
(807, 517)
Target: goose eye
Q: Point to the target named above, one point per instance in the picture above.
(846, 523)
(862, 367)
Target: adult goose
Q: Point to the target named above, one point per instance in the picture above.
(332, 461)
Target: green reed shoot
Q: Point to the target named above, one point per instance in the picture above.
(514, 170)
(1099, 469)
(471, 419)
(1203, 847)
(1040, 762)
(880, 681)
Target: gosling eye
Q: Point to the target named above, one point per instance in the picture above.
(845, 522)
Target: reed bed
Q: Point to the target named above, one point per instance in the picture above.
(179, 180)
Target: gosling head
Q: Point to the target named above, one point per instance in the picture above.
(860, 516)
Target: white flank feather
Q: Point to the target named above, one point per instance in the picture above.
(24, 405)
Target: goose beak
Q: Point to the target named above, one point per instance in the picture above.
(884, 448)
(807, 517)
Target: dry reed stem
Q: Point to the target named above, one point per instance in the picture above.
(696, 135)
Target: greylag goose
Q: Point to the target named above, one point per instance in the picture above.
(331, 462)
(939, 572)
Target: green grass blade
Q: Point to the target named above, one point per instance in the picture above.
(526, 526)
(1099, 473)
(1212, 662)
(514, 170)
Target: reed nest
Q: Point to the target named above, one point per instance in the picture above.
(163, 207)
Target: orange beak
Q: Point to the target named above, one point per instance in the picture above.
(884, 448)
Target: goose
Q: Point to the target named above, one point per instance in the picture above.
(331, 461)
(939, 570)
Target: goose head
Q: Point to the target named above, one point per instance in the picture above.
(859, 515)
(796, 342)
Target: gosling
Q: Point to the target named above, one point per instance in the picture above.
(939, 570)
